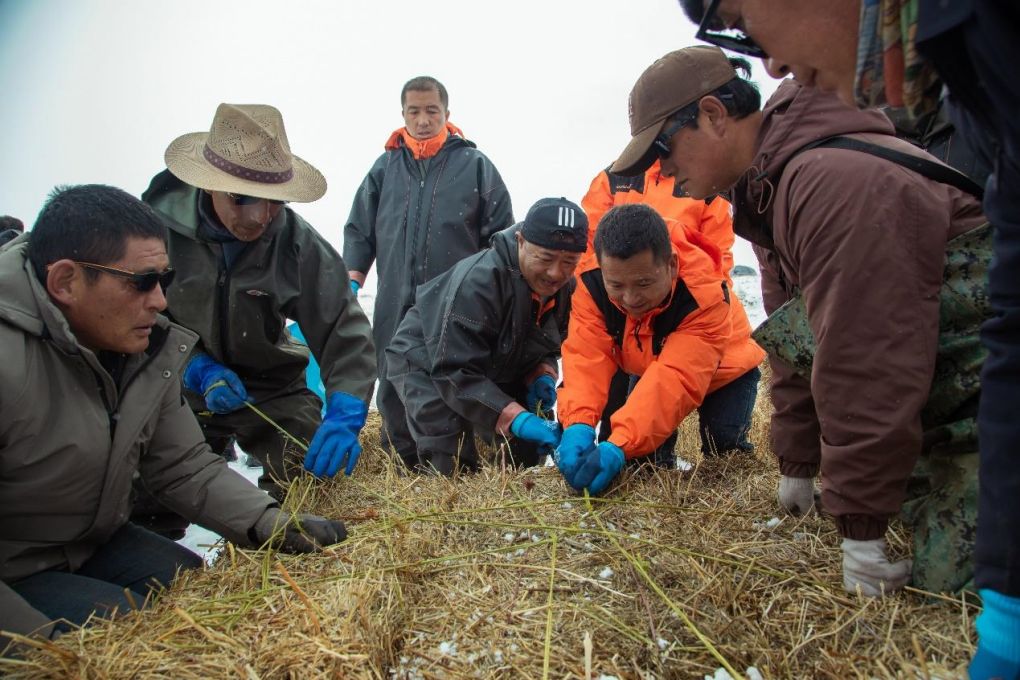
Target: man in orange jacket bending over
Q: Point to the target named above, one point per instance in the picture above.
(725, 415)
(656, 306)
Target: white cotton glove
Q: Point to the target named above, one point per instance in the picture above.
(866, 565)
(797, 494)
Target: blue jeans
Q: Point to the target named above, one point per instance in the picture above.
(134, 560)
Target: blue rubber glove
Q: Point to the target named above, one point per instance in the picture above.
(355, 287)
(543, 390)
(577, 440)
(530, 427)
(998, 627)
(223, 390)
(336, 441)
(598, 468)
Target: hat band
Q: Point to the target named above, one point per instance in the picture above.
(242, 172)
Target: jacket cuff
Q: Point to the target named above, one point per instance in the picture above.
(543, 368)
(793, 468)
(506, 416)
(861, 527)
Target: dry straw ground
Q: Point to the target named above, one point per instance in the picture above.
(508, 574)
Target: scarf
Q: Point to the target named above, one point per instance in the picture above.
(890, 72)
(422, 148)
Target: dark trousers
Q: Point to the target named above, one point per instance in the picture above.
(299, 412)
(134, 561)
(394, 432)
(724, 417)
(444, 439)
(976, 58)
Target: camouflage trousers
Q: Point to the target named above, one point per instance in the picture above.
(941, 508)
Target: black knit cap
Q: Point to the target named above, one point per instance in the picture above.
(557, 224)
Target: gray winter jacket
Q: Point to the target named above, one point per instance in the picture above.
(416, 223)
(240, 314)
(71, 441)
(478, 329)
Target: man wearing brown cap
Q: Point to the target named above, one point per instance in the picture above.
(430, 200)
(478, 350)
(874, 258)
(246, 263)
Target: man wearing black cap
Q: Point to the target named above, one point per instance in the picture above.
(478, 351)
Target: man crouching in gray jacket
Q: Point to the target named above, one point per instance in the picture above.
(90, 391)
(478, 350)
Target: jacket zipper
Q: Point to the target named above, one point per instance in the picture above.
(637, 338)
(223, 285)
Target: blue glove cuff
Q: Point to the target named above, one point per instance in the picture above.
(343, 405)
(355, 286)
(581, 426)
(998, 626)
(518, 422)
(610, 446)
(194, 372)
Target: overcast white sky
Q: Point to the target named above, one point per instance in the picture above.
(94, 90)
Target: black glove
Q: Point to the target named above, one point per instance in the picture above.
(297, 533)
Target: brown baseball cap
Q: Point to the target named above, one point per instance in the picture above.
(668, 85)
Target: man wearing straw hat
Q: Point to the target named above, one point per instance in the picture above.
(482, 341)
(430, 200)
(91, 396)
(246, 263)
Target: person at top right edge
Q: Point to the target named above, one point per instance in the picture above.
(882, 52)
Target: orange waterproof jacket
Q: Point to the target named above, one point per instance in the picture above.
(712, 220)
(676, 348)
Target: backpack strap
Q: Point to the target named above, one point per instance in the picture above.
(922, 166)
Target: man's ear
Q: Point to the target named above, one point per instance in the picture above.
(712, 114)
(63, 282)
(674, 265)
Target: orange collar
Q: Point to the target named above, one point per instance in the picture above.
(422, 148)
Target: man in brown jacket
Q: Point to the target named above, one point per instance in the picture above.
(861, 242)
(90, 390)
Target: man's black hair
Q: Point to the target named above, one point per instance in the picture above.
(740, 96)
(694, 9)
(89, 223)
(425, 84)
(630, 229)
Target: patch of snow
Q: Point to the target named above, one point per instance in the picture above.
(447, 648)
(752, 673)
(606, 573)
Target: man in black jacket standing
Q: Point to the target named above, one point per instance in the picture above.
(429, 201)
(478, 350)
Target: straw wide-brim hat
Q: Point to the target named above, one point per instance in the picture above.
(245, 152)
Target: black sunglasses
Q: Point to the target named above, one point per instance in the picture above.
(661, 144)
(241, 199)
(143, 282)
(713, 31)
